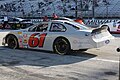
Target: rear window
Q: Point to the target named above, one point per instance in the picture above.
(57, 27)
(77, 26)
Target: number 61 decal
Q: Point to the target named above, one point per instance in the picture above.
(34, 41)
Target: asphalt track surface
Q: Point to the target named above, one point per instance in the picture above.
(94, 64)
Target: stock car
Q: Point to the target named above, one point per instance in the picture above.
(59, 36)
(15, 23)
(113, 27)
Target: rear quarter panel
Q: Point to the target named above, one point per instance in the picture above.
(77, 39)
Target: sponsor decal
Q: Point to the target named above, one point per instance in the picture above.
(80, 42)
(25, 36)
(20, 40)
(25, 41)
(25, 46)
(19, 32)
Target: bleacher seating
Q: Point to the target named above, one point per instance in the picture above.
(35, 8)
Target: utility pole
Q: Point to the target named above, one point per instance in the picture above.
(81, 5)
(107, 10)
(63, 3)
(76, 9)
(93, 9)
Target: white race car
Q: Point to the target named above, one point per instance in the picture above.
(60, 36)
(113, 27)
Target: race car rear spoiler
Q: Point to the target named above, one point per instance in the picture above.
(103, 28)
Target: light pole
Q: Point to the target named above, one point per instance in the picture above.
(76, 9)
(32, 10)
(93, 9)
(107, 10)
(63, 3)
(31, 6)
(53, 7)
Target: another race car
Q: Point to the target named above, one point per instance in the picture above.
(113, 27)
(60, 36)
(15, 23)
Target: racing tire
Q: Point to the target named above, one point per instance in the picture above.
(61, 46)
(12, 42)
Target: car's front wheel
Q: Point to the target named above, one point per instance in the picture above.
(12, 42)
(61, 46)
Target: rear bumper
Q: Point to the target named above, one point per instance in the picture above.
(88, 44)
(103, 43)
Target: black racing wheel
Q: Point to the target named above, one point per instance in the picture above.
(12, 42)
(61, 46)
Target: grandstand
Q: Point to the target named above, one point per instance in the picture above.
(108, 9)
(39, 8)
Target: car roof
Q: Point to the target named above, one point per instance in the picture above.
(63, 18)
(62, 21)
